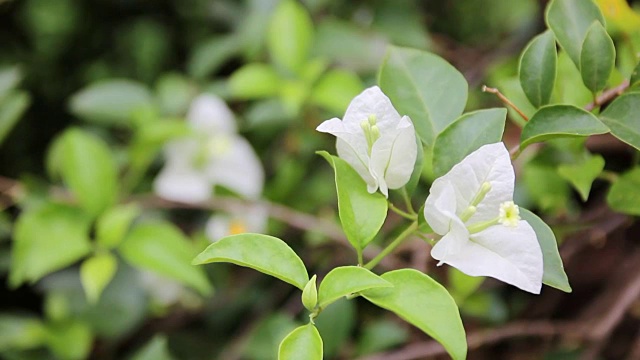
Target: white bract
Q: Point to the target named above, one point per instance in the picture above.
(373, 138)
(213, 155)
(235, 221)
(483, 235)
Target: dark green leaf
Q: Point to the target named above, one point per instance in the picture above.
(69, 340)
(361, 213)
(303, 343)
(465, 135)
(538, 69)
(425, 87)
(209, 55)
(570, 20)
(47, 239)
(554, 274)
(162, 248)
(621, 116)
(423, 302)
(113, 225)
(557, 121)
(264, 253)
(335, 325)
(346, 280)
(10, 77)
(20, 332)
(156, 349)
(624, 196)
(12, 107)
(597, 58)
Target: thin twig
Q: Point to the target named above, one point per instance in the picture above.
(505, 100)
(608, 95)
(427, 349)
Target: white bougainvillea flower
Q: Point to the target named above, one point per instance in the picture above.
(213, 155)
(483, 235)
(237, 221)
(373, 138)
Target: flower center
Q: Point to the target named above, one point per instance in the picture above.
(509, 214)
(209, 148)
(371, 131)
(237, 227)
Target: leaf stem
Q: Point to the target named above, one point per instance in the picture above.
(407, 201)
(404, 214)
(392, 246)
(505, 100)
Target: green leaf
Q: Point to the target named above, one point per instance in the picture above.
(570, 20)
(582, 175)
(465, 135)
(424, 303)
(537, 69)
(69, 340)
(160, 247)
(208, 56)
(346, 280)
(264, 253)
(10, 77)
(110, 102)
(621, 116)
(20, 332)
(267, 334)
(624, 196)
(361, 213)
(89, 169)
(335, 90)
(12, 107)
(174, 93)
(425, 87)
(113, 225)
(46, 239)
(598, 57)
(461, 285)
(156, 349)
(254, 81)
(310, 294)
(95, 273)
(635, 76)
(303, 343)
(554, 274)
(381, 335)
(290, 36)
(557, 121)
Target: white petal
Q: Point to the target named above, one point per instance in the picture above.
(354, 143)
(509, 254)
(360, 163)
(371, 101)
(210, 114)
(490, 163)
(180, 151)
(440, 207)
(452, 244)
(178, 182)
(238, 169)
(217, 227)
(394, 154)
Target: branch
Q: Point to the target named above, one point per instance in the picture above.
(608, 96)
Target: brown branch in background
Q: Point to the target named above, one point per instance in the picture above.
(608, 96)
(505, 100)
(481, 338)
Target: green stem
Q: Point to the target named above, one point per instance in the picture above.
(392, 246)
(407, 201)
(404, 214)
(360, 259)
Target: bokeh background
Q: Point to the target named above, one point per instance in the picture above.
(53, 55)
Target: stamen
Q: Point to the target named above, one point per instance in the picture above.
(468, 213)
(482, 192)
(477, 227)
(370, 130)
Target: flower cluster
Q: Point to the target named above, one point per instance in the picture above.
(213, 155)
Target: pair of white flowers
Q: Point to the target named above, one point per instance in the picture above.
(471, 206)
(214, 154)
